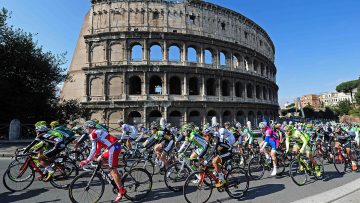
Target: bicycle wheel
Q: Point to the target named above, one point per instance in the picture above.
(340, 163)
(198, 187)
(65, 171)
(175, 177)
(17, 177)
(137, 183)
(256, 168)
(298, 173)
(144, 164)
(86, 189)
(237, 183)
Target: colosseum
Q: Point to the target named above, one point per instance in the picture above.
(185, 60)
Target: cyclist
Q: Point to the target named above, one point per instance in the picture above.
(67, 134)
(128, 133)
(199, 142)
(102, 139)
(342, 138)
(272, 139)
(54, 140)
(223, 152)
(300, 139)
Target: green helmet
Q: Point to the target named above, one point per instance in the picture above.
(54, 124)
(40, 123)
(187, 127)
(288, 128)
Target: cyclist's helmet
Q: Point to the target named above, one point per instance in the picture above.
(187, 127)
(262, 125)
(238, 125)
(288, 128)
(77, 129)
(277, 126)
(90, 124)
(40, 123)
(216, 125)
(54, 124)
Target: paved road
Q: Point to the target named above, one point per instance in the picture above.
(270, 189)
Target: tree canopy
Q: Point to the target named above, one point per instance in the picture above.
(28, 76)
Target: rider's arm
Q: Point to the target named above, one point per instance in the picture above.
(94, 150)
(31, 145)
(305, 143)
(183, 146)
(287, 142)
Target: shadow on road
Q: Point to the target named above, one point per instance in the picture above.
(17, 196)
(262, 190)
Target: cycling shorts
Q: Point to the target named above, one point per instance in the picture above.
(112, 155)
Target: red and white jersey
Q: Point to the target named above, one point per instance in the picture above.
(100, 139)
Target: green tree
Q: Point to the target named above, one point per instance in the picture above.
(348, 87)
(309, 112)
(28, 76)
(70, 110)
(343, 107)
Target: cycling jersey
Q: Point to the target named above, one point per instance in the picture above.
(68, 135)
(101, 139)
(270, 138)
(299, 137)
(128, 131)
(199, 142)
(226, 136)
(249, 136)
(51, 138)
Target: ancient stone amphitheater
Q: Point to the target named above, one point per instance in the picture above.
(185, 60)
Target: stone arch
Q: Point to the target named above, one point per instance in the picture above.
(223, 59)
(192, 55)
(264, 93)
(115, 86)
(247, 63)
(225, 88)
(240, 117)
(258, 92)
(236, 61)
(195, 117)
(97, 54)
(136, 53)
(134, 118)
(210, 114)
(208, 56)
(251, 118)
(134, 85)
(96, 87)
(249, 90)
(175, 118)
(174, 53)
(239, 89)
(211, 87)
(154, 116)
(175, 85)
(155, 85)
(259, 117)
(156, 52)
(227, 116)
(255, 65)
(194, 88)
(262, 69)
(116, 52)
(113, 118)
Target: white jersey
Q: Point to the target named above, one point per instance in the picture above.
(226, 135)
(128, 131)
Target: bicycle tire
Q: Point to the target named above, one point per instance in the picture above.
(74, 185)
(169, 180)
(297, 168)
(132, 180)
(65, 171)
(193, 177)
(233, 181)
(144, 164)
(340, 163)
(9, 176)
(256, 165)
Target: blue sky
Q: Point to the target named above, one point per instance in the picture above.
(317, 41)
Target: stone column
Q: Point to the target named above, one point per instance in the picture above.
(144, 90)
(14, 129)
(186, 90)
(220, 88)
(145, 118)
(146, 52)
(184, 55)
(165, 53)
(125, 86)
(201, 60)
(203, 90)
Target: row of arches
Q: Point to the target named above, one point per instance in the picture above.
(178, 117)
(180, 85)
(177, 54)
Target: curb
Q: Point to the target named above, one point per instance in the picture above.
(333, 194)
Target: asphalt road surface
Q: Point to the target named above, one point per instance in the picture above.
(269, 189)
